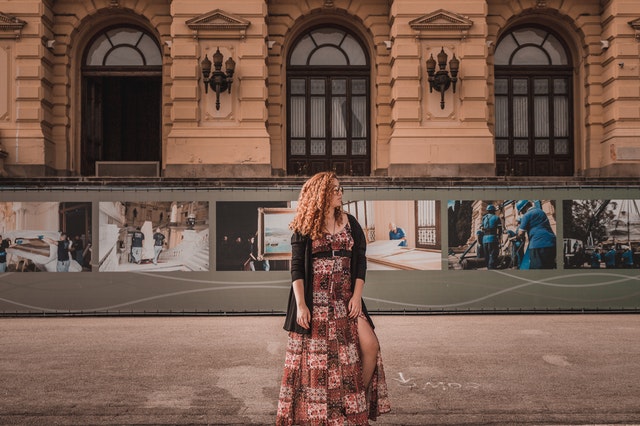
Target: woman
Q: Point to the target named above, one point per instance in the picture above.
(333, 370)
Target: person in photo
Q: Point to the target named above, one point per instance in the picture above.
(158, 244)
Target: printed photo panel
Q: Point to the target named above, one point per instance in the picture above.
(253, 235)
(601, 234)
(154, 236)
(45, 237)
(401, 235)
(502, 234)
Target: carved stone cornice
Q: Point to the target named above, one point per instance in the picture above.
(442, 24)
(218, 24)
(10, 26)
(635, 24)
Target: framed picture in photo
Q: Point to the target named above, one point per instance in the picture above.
(274, 235)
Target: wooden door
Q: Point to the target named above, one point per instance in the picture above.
(121, 120)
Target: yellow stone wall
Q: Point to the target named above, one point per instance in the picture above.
(40, 94)
(428, 140)
(231, 141)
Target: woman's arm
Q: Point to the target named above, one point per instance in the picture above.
(359, 248)
(298, 244)
(355, 303)
(298, 247)
(303, 317)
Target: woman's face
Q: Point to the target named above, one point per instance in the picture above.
(336, 194)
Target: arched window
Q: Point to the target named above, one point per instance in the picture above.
(328, 47)
(328, 103)
(121, 102)
(530, 46)
(123, 46)
(533, 114)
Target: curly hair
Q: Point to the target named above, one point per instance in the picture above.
(314, 205)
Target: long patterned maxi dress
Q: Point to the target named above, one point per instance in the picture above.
(322, 382)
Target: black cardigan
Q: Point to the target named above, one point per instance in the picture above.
(302, 268)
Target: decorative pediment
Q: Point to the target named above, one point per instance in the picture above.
(635, 24)
(442, 24)
(218, 24)
(10, 26)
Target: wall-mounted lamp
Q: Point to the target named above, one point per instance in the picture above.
(441, 80)
(219, 81)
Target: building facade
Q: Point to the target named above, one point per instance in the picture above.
(365, 88)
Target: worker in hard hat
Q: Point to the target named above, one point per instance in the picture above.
(492, 229)
(627, 257)
(517, 246)
(542, 240)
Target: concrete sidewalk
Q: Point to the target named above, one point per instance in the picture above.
(441, 370)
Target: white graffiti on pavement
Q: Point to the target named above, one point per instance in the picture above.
(434, 385)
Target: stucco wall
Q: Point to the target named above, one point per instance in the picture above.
(411, 135)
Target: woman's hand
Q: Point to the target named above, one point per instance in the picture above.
(304, 316)
(355, 307)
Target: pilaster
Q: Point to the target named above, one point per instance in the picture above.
(24, 132)
(426, 139)
(203, 138)
(619, 153)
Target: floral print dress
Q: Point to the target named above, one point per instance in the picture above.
(322, 382)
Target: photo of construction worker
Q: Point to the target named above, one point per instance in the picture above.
(154, 236)
(601, 234)
(541, 238)
(502, 234)
(45, 236)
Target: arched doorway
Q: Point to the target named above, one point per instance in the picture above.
(533, 104)
(328, 104)
(121, 98)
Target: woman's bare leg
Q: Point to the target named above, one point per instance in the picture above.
(369, 348)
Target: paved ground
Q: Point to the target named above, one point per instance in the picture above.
(444, 370)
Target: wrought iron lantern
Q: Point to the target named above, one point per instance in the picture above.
(441, 80)
(218, 80)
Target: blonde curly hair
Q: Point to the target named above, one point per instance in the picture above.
(314, 205)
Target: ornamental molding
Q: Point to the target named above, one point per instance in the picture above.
(218, 24)
(10, 26)
(442, 24)
(635, 24)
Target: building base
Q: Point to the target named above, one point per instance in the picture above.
(629, 170)
(442, 170)
(217, 170)
(32, 171)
